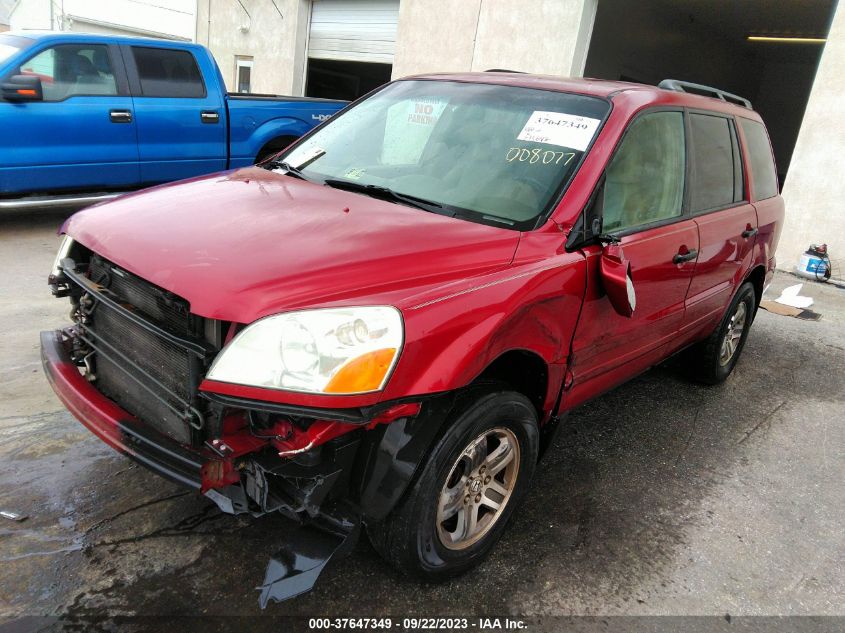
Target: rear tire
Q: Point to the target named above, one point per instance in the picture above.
(713, 360)
(446, 523)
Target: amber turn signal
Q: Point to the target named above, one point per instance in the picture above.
(361, 374)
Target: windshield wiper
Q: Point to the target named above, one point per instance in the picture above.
(377, 191)
(290, 170)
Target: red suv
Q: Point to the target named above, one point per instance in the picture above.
(384, 325)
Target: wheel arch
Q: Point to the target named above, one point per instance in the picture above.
(757, 277)
(525, 371)
(274, 146)
(248, 148)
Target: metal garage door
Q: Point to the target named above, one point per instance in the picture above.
(353, 30)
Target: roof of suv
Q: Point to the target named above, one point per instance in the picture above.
(616, 90)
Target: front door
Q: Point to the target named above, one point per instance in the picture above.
(81, 135)
(643, 206)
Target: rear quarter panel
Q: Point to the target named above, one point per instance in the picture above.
(255, 122)
(770, 215)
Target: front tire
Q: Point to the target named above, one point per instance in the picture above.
(476, 475)
(713, 360)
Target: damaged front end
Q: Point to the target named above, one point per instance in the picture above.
(130, 369)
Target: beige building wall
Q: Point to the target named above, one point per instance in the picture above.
(464, 35)
(274, 35)
(814, 190)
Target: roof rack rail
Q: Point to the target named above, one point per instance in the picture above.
(504, 70)
(687, 86)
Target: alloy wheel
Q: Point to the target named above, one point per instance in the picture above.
(477, 489)
(733, 335)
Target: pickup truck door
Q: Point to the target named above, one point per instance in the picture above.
(727, 222)
(642, 203)
(180, 112)
(81, 135)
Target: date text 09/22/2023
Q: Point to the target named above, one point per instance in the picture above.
(417, 624)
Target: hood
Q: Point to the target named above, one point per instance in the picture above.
(248, 243)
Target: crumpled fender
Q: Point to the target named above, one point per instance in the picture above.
(453, 338)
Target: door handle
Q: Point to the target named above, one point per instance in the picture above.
(749, 232)
(120, 116)
(209, 116)
(680, 258)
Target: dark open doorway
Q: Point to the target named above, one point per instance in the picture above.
(331, 79)
(705, 41)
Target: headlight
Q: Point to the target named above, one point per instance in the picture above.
(332, 350)
(64, 251)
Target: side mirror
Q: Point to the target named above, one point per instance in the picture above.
(615, 273)
(22, 88)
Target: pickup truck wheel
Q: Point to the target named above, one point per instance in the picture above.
(713, 359)
(476, 475)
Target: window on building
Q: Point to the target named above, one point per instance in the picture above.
(645, 181)
(166, 72)
(243, 74)
(715, 176)
(760, 154)
(70, 70)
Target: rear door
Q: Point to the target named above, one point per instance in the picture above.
(727, 222)
(642, 205)
(81, 135)
(180, 113)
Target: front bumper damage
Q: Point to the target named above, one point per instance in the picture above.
(311, 481)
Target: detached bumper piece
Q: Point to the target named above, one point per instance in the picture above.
(295, 568)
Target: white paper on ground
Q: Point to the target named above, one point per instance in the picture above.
(790, 297)
(558, 128)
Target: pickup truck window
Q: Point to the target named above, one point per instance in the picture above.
(492, 154)
(72, 69)
(645, 179)
(166, 72)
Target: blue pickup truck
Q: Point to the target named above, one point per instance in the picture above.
(85, 116)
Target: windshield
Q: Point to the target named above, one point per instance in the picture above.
(11, 44)
(493, 154)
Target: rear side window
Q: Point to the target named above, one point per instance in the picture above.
(168, 73)
(760, 154)
(716, 181)
(645, 181)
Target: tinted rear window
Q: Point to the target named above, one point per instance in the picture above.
(760, 155)
(714, 181)
(168, 73)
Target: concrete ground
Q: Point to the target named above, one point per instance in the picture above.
(663, 497)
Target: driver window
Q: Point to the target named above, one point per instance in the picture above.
(69, 70)
(645, 181)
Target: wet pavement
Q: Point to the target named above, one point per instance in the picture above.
(662, 497)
